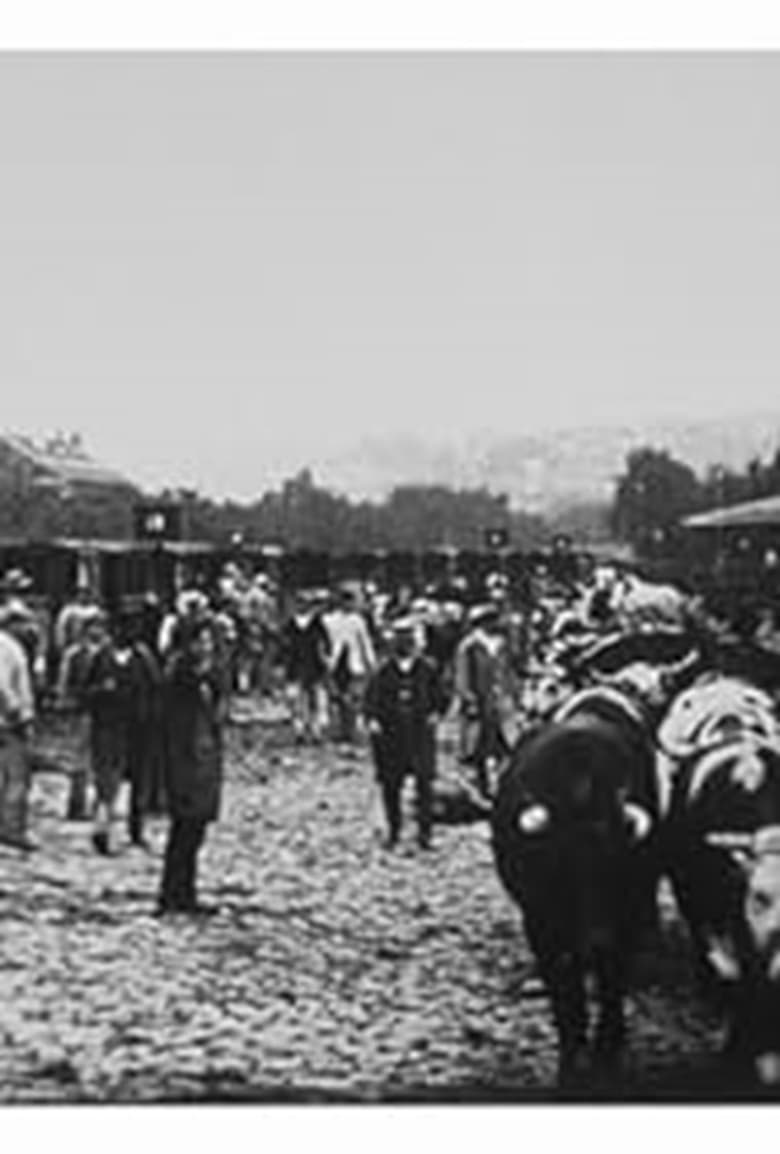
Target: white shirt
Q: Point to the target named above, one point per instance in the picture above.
(348, 632)
(16, 696)
(167, 632)
(70, 624)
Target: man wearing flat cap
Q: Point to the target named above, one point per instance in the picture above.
(17, 713)
(403, 704)
(14, 583)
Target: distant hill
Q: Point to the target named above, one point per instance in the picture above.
(549, 471)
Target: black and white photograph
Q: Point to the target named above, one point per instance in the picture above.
(389, 577)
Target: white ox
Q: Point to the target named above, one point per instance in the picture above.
(709, 715)
(636, 602)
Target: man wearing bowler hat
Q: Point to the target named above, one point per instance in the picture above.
(403, 705)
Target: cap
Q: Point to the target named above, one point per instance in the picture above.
(191, 599)
(16, 581)
(403, 625)
(15, 615)
(480, 613)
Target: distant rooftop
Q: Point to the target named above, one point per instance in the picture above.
(765, 511)
(64, 459)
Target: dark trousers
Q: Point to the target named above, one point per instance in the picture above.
(347, 697)
(178, 889)
(14, 786)
(392, 769)
(141, 752)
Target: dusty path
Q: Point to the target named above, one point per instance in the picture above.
(335, 969)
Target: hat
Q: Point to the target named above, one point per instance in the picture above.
(191, 600)
(16, 581)
(403, 625)
(481, 613)
(15, 612)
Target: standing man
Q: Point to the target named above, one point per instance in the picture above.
(17, 712)
(107, 697)
(195, 712)
(71, 620)
(480, 669)
(305, 646)
(144, 721)
(29, 628)
(403, 705)
(352, 660)
(70, 701)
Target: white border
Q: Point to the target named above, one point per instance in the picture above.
(400, 24)
(389, 24)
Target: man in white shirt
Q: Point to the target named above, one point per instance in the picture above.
(72, 619)
(352, 660)
(17, 712)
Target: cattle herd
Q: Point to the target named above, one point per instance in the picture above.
(654, 754)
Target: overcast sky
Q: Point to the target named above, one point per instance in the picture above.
(220, 268)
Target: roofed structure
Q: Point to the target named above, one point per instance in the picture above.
(746, 515)
(60, 462)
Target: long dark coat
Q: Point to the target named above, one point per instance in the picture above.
(193, 713)
(403, 704)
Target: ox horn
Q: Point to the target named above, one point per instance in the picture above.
(534, 819)
(729, 840)
(740, 846)
(638, 819)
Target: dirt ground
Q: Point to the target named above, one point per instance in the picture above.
(335, 970)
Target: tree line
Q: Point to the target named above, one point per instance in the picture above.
(656, 490)
(300, 514)
(652, 493)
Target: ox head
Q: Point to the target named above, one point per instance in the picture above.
(579, 859)
(758, 961)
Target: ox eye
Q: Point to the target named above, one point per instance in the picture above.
(760, 901)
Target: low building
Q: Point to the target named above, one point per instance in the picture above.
(56, 488)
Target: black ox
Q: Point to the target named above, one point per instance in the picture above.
(574, 841)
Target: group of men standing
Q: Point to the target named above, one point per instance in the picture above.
(136, 714)
(114, 685)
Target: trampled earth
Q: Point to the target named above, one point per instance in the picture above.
(334, 970)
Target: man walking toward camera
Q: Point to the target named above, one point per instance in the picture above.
(403, 704)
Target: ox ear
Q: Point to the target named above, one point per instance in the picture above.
(534, 819)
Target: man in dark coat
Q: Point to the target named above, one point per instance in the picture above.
(195, 707)
(306, 646)
(403, 703)
(144, 719)
(480, 685)
(106, 693)
(71, 702)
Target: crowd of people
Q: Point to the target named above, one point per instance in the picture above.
(146, 691)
